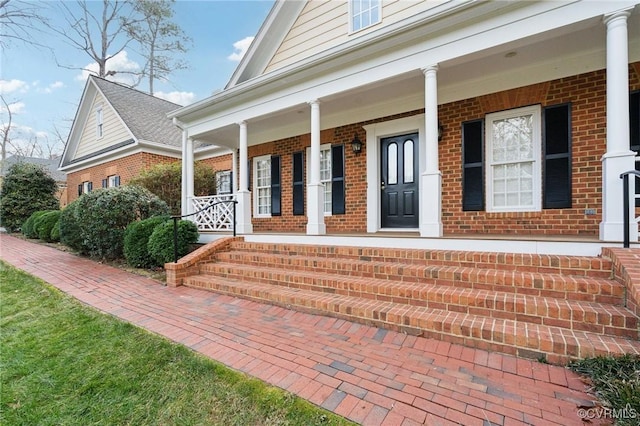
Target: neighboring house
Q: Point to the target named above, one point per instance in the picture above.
(118, 132)
(453, 118)
(48, 164)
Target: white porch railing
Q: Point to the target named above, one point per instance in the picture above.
(219, 217)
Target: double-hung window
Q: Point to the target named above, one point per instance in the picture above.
(364, 13)
(331, 178)
(262, 182)
(85, 187)
(223, 182)
(513, 153)
(325, 176)
(267, 186)
(524, 156)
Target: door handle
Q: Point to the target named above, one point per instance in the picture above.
(382, 185)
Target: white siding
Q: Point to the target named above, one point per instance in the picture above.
(114, 131)
(324, 24)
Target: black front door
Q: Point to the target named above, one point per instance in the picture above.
(399, 186)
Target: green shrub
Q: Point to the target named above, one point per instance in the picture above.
(103, 215)
(55, 232)
(45, 223)
(136, 238)
(70, 229)
(164, 180)
(161, 241)
(26, 188)
(28, 228)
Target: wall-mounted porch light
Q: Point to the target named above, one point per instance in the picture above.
(440, 131)
(356, 144)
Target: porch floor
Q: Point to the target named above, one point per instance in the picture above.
(575, 245)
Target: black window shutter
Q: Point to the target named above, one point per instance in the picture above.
(276, 187)
(79, 189)
(337, 180)
(90, 187)
(473, 165)
(557, 157)
(634, 133)
(298, 183)
(105, 182)
(231, 185)
(117, 180)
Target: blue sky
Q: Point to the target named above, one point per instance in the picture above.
(44, 96)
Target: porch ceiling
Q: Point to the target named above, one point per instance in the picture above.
(565, 51)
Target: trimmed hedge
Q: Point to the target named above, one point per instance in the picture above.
(28, 228)
(136, 239)
(160, 244)
(96, 222)
(69, 229)
(44, 224)
(55, 232)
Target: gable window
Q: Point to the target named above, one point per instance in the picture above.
(223, 182)
(99, 123)
(513, 175)
(364, 13)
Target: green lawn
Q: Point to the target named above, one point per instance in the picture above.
(62, 363)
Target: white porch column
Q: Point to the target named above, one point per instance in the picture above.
(234, 171)
(431, 179)
(315, 189)
(618, 158)
(189, 176)
(243, 218)
(184, 200)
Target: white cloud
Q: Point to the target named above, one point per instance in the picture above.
(123, 67)
(50, 88)
(180, 98)
(241, 48)
(15, 108)
(10, 86)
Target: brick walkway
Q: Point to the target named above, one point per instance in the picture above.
(369, 375)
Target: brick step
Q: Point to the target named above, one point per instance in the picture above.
(555, 344)
(598, 267)
(551, 310)
(571, 287)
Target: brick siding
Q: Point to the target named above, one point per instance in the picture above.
(126, 167)
(585, 92)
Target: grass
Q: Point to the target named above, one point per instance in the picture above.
(63, 363)
(616, 381)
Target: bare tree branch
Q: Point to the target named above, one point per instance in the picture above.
(159, 39)
(5, 129)
(100, 35)
(20, 21)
